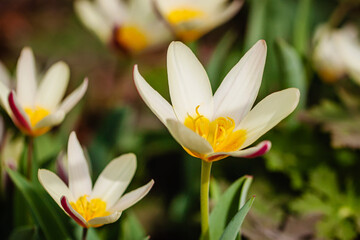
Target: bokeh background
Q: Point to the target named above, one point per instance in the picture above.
(306, 187)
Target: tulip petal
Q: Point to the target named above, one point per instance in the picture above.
(189, 84)
(53, 86)
(51, 120)
(132, 197)
(54, 186)
(158, 105)
(237, 93)
(71, 100)
(72, 213)
(79, 176)
(26, 78)
(98, 221)
(268, 112)
(19, 116)
(114, 10)
(4, 94)
(188, 138)
(114, 179)
(252, 152)
(93, 19)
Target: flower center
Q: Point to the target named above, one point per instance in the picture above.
(184, 18)
(90, 209)
(219, 133)
(36, 115)
(132, 38)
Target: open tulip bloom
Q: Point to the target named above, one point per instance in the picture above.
(214, 127)
(93, 206)
(190, 19)
(133, 25)
(36, 109)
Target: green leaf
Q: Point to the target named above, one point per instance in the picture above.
(24, 232)
(256, 22)
(132, 229)
(43, 213)
(218, 57)
(293, 70)
(233, 227)
(226, 208)
(301, 28)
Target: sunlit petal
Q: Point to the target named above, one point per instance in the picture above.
(187, 138)
(54, 186)
(269, 112)
(53, 86)
(98, 221)
(160, 107)
(51, 120)
(71, 100)
(188, 82)
(114, 179)
(132, 197)
(237, 93)
(26, 78)
(79, 176)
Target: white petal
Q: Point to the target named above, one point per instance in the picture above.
(188, 82)
(132, 197)
(237, 93)
(188, 138)
(26, 78)
(71, 100)
(4, 75)
(18, 115)
(91, 17)
(72, 213)
(51, 120)
(158, 105)
(222, 14)
(252, 152)
(95, 222)
(114, 179)
(268, 112)
(114, 10)
(79, 176)
(54, 186)
(53, 86)
(4, 94)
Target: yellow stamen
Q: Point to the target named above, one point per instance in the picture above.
(132, 38)
(184, 22)
(36, 115)
(219, 133)
(90, 209)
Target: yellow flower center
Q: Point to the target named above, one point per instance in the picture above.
(36, 115)
(183, 17)
(132, 38)
(219, 133)
(90, 209)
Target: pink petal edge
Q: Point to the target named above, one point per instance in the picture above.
(65, 204)
(19, 118)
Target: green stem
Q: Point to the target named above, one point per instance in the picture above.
(84, 233)
(204, 197)
(29, 156)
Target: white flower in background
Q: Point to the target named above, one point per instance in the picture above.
(34, 108)
(214, 127)
(93, 206)
(190, 19)
(337, 53)
(132, 25)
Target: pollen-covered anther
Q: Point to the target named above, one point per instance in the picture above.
(219, 133)
(90, 209)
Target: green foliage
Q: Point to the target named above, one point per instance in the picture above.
(227, 207)
(37, 201)
(339, 209)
